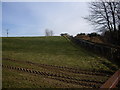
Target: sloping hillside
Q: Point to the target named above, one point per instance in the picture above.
(51, 62)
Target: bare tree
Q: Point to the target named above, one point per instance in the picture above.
(48, 32)
(51, 33)
(105, 15)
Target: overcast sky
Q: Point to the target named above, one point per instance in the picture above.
(32, 18)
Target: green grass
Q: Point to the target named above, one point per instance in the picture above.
(54, 50)
(51, 50)
(15, 79)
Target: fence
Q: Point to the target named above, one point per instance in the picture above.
(112, 82)
(109, 51)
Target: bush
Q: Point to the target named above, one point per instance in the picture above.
(113, 37)
(93, 34)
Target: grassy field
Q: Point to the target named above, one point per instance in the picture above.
(53, 50)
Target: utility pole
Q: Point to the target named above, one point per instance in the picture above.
(7, 32)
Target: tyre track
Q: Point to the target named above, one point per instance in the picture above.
(92, 85)
(58, 77)
(62, 68)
